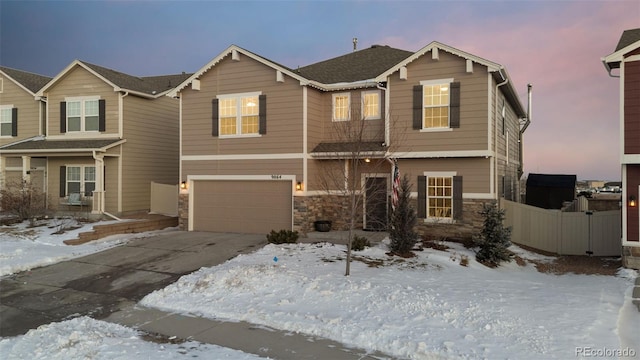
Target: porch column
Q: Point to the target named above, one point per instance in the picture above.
(98, 193)
(3, 165)
(26, 168)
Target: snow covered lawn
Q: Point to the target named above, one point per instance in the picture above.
(424, 307)
(23, 247)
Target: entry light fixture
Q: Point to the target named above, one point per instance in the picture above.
(367, 160)
(632, 201)
(299, 186)
(183, 185)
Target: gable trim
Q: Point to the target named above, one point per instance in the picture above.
(17, 83)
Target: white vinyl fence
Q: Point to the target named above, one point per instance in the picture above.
(164, 199)
(595, 233)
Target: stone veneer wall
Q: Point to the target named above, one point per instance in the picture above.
(183, 212)
(307, 209)
(463, 230)
(631, 257)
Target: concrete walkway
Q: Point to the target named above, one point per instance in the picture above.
(108, 285)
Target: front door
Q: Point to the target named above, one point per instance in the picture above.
(376, 204)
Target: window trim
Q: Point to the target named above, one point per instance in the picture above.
(82, 100)
(424, 83)
(333, 106)
(10, 108)
(238, 97)
(441, 174)
(362, 96)
(82, 179)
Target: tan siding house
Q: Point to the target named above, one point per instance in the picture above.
(22, 116)
(452, 121)
(106, 136)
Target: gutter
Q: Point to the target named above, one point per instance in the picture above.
(608, 68)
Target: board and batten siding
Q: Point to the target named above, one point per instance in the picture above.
(474, 97)
(79, 82)
(632, 107)
(28, 110)
(284, 110)
(150, 153)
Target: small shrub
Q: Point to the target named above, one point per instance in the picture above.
(359, 243)
(282, 237)
(494, 239)
(22, 199)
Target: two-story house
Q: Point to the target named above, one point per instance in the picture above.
(258, 138)
(626, 59)
(106, 136)
(22, 116)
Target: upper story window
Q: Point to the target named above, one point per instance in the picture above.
(436, 105)
(239, 115)
(341, 106)
(82, 114)
(371, 105)
(8, 120)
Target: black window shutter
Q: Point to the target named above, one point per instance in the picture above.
(102, 123)
(262, 114)
(14, 122)
(63, 181)
(457, 197)
(214, 117)
(63, 117)
(417, 107)
(422, 197)
(454, 105)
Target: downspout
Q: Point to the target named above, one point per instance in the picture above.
(495, 136)
(524, 127)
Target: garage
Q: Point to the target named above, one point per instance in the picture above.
(242, 206)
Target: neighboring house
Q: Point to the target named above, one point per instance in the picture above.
(550, 191)
(256, 138)
(626, 59)
(22, 116)
(105, 138)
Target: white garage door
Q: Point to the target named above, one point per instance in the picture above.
(242, 206)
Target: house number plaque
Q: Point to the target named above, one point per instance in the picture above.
(276, 177)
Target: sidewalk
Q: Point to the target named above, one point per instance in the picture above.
(249, 338)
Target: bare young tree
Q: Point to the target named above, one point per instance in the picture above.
(23, 199)
(357, 149)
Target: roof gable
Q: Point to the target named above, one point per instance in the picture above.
(149, 87)
(30, 82)
(628, 37)
(629, 41)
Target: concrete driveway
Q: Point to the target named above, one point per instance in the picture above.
(100, 284)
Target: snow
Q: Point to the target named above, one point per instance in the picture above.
(85, 338)
(424, 307)
(23, 247)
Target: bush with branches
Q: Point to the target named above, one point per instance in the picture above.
(22, 199)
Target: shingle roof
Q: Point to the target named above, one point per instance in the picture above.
(31, 81)
(53, 145)
(149, 85)
(628, 37)
(344, 147)
(359, 65)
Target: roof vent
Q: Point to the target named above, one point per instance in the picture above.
(355, 44)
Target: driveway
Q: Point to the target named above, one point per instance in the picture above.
(100, 284)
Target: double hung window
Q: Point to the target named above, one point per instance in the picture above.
(81, 179)
(341, 106)
(371, 105)
(239, 115)
(6, 122)
(82, 114)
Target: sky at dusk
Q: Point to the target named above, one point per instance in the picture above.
(555, 45)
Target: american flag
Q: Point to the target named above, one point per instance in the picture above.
(395, 185)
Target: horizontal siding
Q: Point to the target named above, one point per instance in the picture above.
(475, 171)
(80, 82)
(316, 112)
(151, 128)
(632, 107)
(284, 110)
(28, 110)
(472, 134)
(243, 167)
